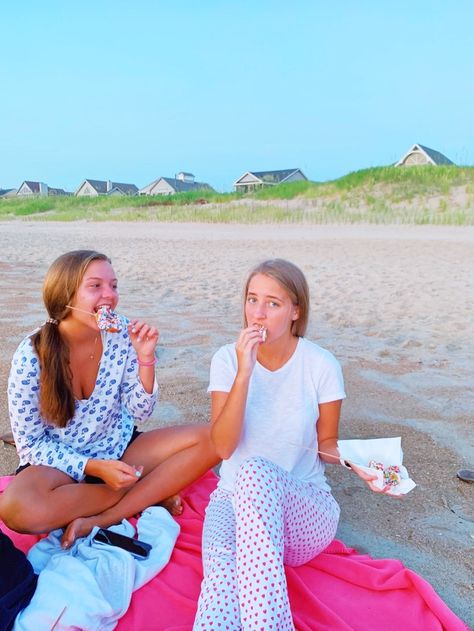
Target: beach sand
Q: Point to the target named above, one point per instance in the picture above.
(395, 304)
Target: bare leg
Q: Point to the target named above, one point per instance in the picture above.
(172, 458)
(42, 498)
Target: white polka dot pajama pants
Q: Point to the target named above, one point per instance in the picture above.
(271, 519)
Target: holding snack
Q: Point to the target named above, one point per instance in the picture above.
(108, 320)
(391, 479)
(275, 402)
(77, 386)
(391, 475)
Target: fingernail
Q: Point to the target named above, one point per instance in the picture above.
(139, 339)
(133, 330)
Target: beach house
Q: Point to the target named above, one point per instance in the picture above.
(251, 180)
(182, 182)
(7, 192)
(419, 154)
(38, 189)
(93, 188)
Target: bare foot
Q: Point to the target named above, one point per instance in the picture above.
(79, 527)
(173, 505)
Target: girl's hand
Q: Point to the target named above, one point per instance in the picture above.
(144, 339)
(369, 479)
(246, 348)
(115, 473)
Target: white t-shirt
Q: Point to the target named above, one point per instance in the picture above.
(280, 421)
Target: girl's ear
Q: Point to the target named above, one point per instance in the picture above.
(296, 313)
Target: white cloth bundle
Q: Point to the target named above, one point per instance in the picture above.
(387, 451)
(89, 586)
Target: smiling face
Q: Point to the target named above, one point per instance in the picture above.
(267, 304)
(97, 288)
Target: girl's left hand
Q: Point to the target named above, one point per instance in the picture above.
(144, 338)
(369, 479)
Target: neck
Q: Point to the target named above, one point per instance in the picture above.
(75, 332)
(277, 353)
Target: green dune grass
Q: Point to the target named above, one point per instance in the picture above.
(415, 195)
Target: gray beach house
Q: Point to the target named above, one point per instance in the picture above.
(251, 180)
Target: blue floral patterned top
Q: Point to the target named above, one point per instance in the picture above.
(101, 426)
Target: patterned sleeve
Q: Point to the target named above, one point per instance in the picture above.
(136, 400)
(33, 443)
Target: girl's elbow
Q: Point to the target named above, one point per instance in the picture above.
(223, 452)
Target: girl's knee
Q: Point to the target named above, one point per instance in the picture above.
(257, 472)
(20, 516)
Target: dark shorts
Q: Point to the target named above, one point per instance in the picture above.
(90, 479)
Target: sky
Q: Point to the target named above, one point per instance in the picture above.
(134, 90)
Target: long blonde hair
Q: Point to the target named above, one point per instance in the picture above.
(56, 397)
(293, 281)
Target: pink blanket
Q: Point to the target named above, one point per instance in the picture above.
(339, 590)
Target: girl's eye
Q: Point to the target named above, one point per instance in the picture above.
(251, 299)
(273, 304)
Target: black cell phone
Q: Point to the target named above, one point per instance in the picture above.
(138, 549)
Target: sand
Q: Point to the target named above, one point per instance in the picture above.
(395, 304)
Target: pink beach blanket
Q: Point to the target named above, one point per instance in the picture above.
(340, 590)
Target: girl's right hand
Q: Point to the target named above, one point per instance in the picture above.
(115, 473)
(246, 348)
(369, 479)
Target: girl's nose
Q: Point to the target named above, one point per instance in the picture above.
(109, 292)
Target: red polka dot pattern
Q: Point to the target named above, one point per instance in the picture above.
(271, 519)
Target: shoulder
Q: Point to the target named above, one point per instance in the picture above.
(226, 353)
(317, 354)
(225, 359)
(25, 353)
(25, 365)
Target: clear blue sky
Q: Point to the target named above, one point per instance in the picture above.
(138, 89)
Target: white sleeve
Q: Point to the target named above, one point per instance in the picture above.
(331, 381)
(223, 369)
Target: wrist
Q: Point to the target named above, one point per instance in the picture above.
(93, 467)
(243, 375)
(144, 360)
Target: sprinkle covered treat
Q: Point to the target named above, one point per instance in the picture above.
(107, 320)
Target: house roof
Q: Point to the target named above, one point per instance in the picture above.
(101, 186)
(129, 189)
(33, 186)
(5, 191)
(271, 177)
(178, 185)
(435, 157)
(57, 191)
(182, 187)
